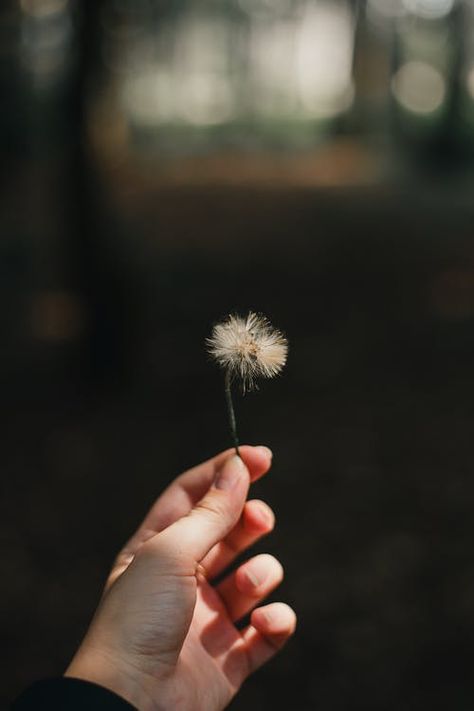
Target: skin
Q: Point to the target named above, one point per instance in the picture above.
(164, 635)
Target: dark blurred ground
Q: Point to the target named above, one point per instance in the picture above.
(110, 285)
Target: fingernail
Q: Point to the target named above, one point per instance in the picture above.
(265, 449)
(255, 578)
(265, 515)
(230, 474)
(267, 615)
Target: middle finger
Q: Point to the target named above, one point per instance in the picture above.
(257, 520)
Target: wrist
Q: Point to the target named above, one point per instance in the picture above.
(111, 673)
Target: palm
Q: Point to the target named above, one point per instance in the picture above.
(213, 662)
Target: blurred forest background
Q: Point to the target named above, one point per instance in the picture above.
(167, 161)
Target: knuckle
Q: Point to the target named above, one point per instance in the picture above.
(213, 509)
(154, 547)
(164, 554)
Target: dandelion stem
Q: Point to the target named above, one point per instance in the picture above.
(230, 411)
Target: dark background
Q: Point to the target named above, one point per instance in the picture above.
(121, 246)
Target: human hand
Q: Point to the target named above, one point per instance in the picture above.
(163, 637)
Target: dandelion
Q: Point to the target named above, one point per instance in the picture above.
(246, 348)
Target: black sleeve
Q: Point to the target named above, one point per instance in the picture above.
(68, 694)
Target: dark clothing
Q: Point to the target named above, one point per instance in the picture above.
(67, 694)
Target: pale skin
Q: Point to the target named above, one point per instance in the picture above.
(164, 635)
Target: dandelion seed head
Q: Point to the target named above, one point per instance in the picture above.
(249, 348)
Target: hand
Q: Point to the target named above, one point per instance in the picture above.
(163, 637)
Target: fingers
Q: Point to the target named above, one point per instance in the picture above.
(249, 584)
(257, 460)
(270, 628)
(189, 488)
(256, 521)
(185, 543)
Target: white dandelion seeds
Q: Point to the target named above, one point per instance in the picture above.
(246, 348)
(249, 347)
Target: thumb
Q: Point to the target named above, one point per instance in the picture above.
(190, 538)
